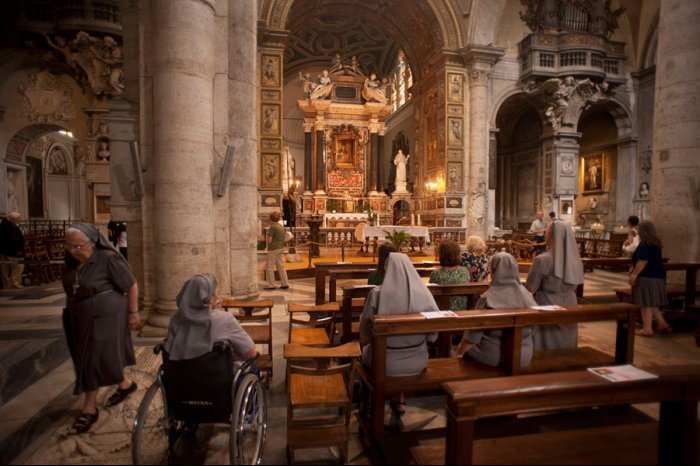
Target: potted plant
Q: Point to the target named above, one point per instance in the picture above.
(371, 216)
(398, 238)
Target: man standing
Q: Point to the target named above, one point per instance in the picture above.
(537, 229)
(11, 249)
(275, 252)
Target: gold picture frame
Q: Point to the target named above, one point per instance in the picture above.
(270, 171)
(270, 70)
(345, 152)
(592, 173)
(455, 87)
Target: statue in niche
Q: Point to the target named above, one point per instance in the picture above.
(644, 191)
(371, 91)
(12, 201)
(400, 160)
(103, 151)
(324, 87)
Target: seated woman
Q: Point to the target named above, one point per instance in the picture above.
(377, 277)
(402, 292)
(451, 271)
(475, 259)
(196, 325)
(505, 292)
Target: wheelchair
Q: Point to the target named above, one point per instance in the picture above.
(201, 390)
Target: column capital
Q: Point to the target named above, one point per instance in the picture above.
(309, 126)
(482, 55)
(272, 38)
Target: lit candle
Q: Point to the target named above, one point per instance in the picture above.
(419, 220)
(413, 219)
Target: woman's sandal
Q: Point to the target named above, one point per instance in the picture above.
(398, 407)
(121, 395)
(642, 333)
(84, 421)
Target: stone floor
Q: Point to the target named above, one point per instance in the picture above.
(36, 382)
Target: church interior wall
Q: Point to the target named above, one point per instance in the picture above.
(403, 121)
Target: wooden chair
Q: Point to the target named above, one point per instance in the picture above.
(318, 329)
(319, 398)
(256, 319)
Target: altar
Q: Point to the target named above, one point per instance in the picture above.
(381, 231)
(347, 219)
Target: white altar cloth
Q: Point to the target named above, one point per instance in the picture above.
(381, 231)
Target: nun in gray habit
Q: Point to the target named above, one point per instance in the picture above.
(402, 292)
(101, 308)
(196, 326)
(553, 279)
(504, 292)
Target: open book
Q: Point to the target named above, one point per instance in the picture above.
(622, 373)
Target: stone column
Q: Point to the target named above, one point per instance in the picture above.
(480, 60)
(626, 188)
(183, 73)
(320, 184)
(675, 180)
(380, 164)
(308, 157)
(243, 111)
(373, 162)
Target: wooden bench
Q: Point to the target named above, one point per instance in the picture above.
(603, 440)
(322, 268)
(354, 299)
(511, 321)
(359, 274)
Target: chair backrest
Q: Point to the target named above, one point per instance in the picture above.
(199, 389)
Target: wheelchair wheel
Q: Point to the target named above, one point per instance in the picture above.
(149, 439)
(248, 422)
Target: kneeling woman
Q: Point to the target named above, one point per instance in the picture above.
(505, 292)
(196, 325)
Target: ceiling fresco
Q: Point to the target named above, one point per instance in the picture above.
(374, 32)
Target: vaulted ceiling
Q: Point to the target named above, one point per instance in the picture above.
(373, 31)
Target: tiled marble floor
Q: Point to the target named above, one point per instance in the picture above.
(37, 405)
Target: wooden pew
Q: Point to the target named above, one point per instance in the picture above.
(354, 296)
(356, 274)
(322, 268)
(672, 441)
(511, 321)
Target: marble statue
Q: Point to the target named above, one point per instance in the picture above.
(400, 161)
(308, 85)
(372, 91)
(103, 152)
(337, 63)
(644, 191)
(324, 87)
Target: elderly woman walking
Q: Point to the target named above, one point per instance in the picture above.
(101, 308)
(553, 279)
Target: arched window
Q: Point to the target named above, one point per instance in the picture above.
(402, 80)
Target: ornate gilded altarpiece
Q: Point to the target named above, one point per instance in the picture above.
(346, 149)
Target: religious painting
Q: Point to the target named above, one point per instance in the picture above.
(566, 207)
(454, 131)
(593, 172)
(349, 206)
(345, 152)
(270, 171)
(455, 93)
(270, 70)
(454, 176)
(35, 187)
(270, 119)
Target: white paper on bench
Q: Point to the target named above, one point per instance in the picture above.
(438, 314)
(550, 307)
(622, 373)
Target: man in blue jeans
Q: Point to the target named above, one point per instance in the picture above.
(275, 253)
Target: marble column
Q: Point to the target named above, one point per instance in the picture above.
(380, 164)
(308, 157)
(320, 182)
(481, 60)
(243, 192)
(183, 74)
(626, 188)
(372, 163)
(675, 180)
